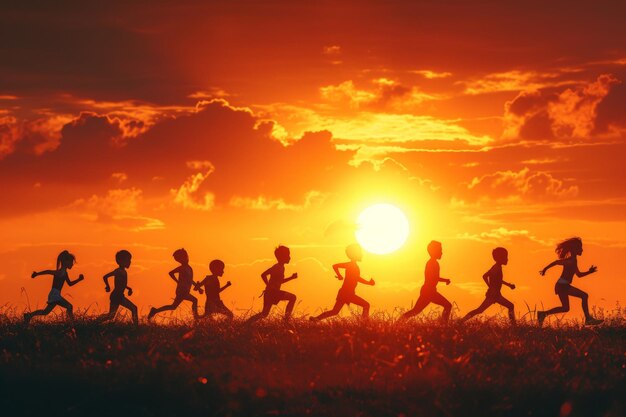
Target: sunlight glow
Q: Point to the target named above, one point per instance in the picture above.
(382, 228)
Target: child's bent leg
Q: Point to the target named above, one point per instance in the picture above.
(509, 305)
(420, 305)
(40, 312)
(168, 307)
(207, 310)
(482, 307)
(225, 311)
(133, 309)
(291, 303)
(447, 306)
(262, 314)
(110, 315)
(564, 308)
(575, 292)
(68, 307)
(364, 304)
(333, 312)
(194, 306)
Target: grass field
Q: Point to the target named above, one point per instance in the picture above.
(336, 368)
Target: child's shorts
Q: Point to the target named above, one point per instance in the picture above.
(214, 307)
(117, 297)
(54, 296)
(561, 287)
(345, 296)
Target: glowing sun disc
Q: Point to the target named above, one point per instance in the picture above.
(382, 228)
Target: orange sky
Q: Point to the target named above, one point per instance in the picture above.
(230, 128)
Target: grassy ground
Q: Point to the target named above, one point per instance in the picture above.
(337, 368)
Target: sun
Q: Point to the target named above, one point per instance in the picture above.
(382, 228)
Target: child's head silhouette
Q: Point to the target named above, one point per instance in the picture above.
(65, 260)
(434, 249)
(181, 256)
(216, 267)
(569, 247)
(123, 258)
(500, 255)
(282, 254)
(354, 252)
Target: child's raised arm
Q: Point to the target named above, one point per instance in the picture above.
(45, 272)
(293, 276)
(508, 284)
(487, 276)
(228, 284)
(591, 270)
(173, 273)
(555, 263)
(366, 281)
(446, 280)
(76, 281)
(197, 286)
(264, 275)
(106, 281)
(338, 266)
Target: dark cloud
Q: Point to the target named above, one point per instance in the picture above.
(564, 114)
(232, 150)
(611, 112)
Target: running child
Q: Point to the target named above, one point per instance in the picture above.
(568, 251)
(346, 294)
(212, 289)
(428, 293)
(493, 279)
(184, 282)
(65, 261)
(273, 294)
(120, 284)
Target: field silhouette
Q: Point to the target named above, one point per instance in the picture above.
(341, 367)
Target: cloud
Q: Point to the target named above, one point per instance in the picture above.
(211, 93)
(574, 113)
(431, 75)
(119, 176)
(9, 134)
(522, 184)
(39, 131)
(38, 135)
(501, 235)
(188, 194)
(569, 114)
(332, 50)
(474, 288)
(265, 203)
(118, 207)
(400, 129)
(378, 130)
(514, 80)
(386, 96)
(611, 111)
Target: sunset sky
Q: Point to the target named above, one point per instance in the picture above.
(229, 127)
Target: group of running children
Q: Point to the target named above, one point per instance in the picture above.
(274, 277)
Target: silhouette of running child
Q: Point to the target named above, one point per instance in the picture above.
(273, 294)
(183, 285)
(212, 289)
(120, 284)
(568, 251)
(65, 261)
(346, 294)
(428, 293)
(493, 279)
